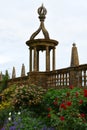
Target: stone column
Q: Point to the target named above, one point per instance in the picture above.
(53, 60)
(1, 76)
(47, 59)
(74, 56)
(23, 70)
(35, 59)
(30, 59)
(13, 73)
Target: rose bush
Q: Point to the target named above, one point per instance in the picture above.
(66, 108)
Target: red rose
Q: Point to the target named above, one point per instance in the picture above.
(55, 103)
(68, 103)
(63, 106)
(81, 101)
(49, 115)
(82, 115)
(71, 87)
(49, 109)
(85, 93)
(62, 118)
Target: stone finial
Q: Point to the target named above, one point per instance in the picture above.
(23, 70)
(13, 73)
(74, 56)
(42, 12)
(0, 76)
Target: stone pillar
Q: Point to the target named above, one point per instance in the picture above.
(35, 59)
(53, 60)
(1, 76)
(30, 59)
(13, 73)
(75, 77)
(47, 59)
(23, 70)
(74, 56)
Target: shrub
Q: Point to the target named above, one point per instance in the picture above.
(28, 96)
(5, 103)
(4, 81)
(8, 93)
(5, 108)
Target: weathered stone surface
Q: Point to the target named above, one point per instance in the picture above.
(13, 73)
(23, 70)
(46, 44)
(74, 56)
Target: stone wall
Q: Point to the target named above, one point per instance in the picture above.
(76, 76)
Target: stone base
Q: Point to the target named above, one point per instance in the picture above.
(38, 78)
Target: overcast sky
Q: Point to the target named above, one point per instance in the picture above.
(66, 21)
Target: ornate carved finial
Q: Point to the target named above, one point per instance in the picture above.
(74, 44)
(42, 12)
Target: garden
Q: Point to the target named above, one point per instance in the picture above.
(31, 107)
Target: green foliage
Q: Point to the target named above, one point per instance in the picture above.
(8, 93)
(5, 108)
(5, 104)
(4, 81)
(24, 120)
